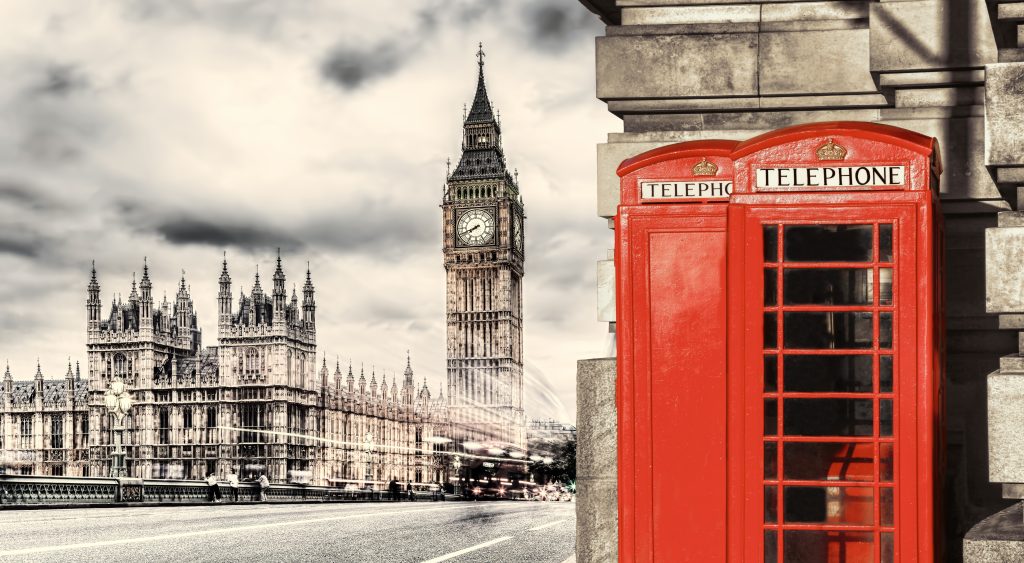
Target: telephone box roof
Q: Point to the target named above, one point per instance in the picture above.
(711, 147)
(922, 144)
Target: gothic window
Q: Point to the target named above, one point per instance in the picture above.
(481, 140)
(164, 429)
(252, 361)
(186, 417)
(57, 432)
(211, 424)
(25, 435)
(302, 370)
(121, 367)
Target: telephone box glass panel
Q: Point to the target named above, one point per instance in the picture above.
(828, 392)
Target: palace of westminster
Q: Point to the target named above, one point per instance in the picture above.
(259, 402)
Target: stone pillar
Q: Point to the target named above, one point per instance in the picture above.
(596, 450)
(1001, 536)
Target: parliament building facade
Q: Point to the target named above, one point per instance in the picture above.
(261, 401)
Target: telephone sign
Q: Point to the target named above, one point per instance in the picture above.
(780, 350)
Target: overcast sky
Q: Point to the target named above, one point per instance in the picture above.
(181, 130)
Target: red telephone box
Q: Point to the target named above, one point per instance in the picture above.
(782, 404)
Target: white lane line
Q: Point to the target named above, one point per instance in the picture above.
(49, 548)
(453, 554)
(548, 525)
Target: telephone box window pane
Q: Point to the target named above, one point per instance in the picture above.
(829, 505)
(885, 286)
(885, 461)
(817, 546)
(832, 330)
(885, 243)
(885, 374)
(887, 550)
(828, 417)
(844, 461)
(771, 417)
(770, 331)
(771, 243)
(885, 417)
(771, 546)
(827, 286)
(771, 461)
(771, 287)
(885, 498)
(827, 243)
(885, 330)
(771, 374)
(824, 374)
(771, 505)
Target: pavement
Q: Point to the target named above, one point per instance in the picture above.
(422, 532)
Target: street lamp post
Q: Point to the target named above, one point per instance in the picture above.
(457, 464)
(118, 400)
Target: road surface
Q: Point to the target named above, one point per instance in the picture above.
(460, 532)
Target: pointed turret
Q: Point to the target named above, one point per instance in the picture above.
(146, 299)
(308, 301)
(324, 374)
(8, 382)
(224, 295)
(280, 294)
(408, 386)
(362, 381)
(373, 382)
(78, 371)
(394, 389)
(350, 381)
(92, 302)
(337, 374)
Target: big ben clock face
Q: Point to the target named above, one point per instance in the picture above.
(476, 227)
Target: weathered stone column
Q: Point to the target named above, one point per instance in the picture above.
(596, 477)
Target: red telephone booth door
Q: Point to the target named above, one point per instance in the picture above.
(836, 345)
(672, 387)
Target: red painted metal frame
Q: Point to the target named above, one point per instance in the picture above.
(722, 519)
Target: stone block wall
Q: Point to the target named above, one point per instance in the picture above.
(676, 70)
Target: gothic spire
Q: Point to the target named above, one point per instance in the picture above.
(256, 289)
(7, 372)
(39, 370)
(480, 112)
(224, 276)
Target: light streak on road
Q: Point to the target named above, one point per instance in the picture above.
(455, 554)
(361, 445)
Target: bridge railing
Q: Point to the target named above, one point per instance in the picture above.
(34, 490)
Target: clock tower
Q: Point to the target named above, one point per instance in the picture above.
(484, 256)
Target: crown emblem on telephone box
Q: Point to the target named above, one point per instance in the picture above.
(831, 151)
(705, 168)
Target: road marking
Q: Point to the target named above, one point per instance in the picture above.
(105, 543)
(453, 554)
(548, 525)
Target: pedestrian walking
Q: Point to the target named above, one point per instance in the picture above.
(408, 490)
(393, 488)
(264, 485)
(213, 489)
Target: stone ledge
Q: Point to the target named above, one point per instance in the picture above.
(996, 539)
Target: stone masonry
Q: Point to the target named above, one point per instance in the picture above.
(677, 70)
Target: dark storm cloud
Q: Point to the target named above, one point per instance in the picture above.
(62, 80)
(221, 234)
(24, 197)
(23, 248)
(553, 25)
(351, 66)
